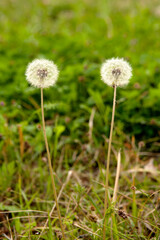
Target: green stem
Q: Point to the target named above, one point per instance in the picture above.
(115, 229)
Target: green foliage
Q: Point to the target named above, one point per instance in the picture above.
(7, 172)
(81, 43)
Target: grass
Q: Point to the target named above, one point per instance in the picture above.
(79, 36)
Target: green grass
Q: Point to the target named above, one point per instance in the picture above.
(78, 36)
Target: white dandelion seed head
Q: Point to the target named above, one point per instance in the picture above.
(42, 73)
(116, 72)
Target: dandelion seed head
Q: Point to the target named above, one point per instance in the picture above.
(116, 72)
(42, 73)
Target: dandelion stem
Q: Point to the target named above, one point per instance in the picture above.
(50, 166)
(108, 163)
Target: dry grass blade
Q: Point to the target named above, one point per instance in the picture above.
(26, 217)
(91, 125)
(87, 230)
(10, 230)
(6, 236)
(117, 177)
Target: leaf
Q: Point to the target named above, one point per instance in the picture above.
(9, 208)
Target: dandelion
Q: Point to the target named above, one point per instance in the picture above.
(115, 72)
(43, 73)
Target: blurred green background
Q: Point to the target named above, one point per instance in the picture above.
(78, 36)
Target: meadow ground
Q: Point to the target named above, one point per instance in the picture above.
(78, 36)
